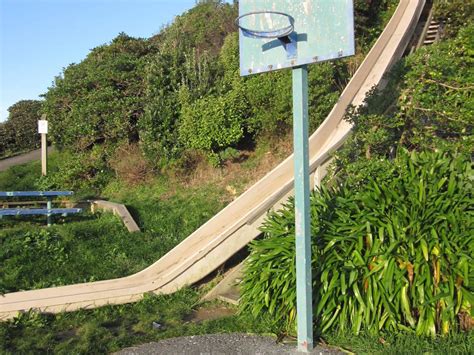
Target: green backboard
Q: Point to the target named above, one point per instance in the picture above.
(323, 30)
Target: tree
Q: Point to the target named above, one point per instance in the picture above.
(101, 99)
(20, 131)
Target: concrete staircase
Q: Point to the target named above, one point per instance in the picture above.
(432, 33)
(227, 289)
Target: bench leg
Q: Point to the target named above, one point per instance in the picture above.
(49, 206)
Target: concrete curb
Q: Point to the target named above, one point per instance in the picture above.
(118, 210)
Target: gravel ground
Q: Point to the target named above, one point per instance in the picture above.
(219, 344)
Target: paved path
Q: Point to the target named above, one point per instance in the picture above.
(21, 159)
(219, 344)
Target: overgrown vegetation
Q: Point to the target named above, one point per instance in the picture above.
(91, 248)
(393, 245)
(394, 254)
(22, 177)
(99, 100)
(167, 94)
(454, 14)
(427, 104)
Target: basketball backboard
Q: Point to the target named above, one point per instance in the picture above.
(323, 30)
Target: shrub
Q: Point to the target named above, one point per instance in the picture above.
(86, 173)
(396, 254)
(214, 123)
(188, 51)
(455, 14)
(6, 139)
(101, 99)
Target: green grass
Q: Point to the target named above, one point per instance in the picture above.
(20, 177)
(25, 177)
(169, 209)
(112, 328)
(90, 247)
(97, 247)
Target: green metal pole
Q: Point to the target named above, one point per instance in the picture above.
(304, 295)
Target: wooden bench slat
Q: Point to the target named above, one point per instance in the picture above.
(35, 193)
(37, 211)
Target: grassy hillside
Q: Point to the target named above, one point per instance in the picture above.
(178, 97)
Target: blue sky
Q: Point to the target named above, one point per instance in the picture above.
(40, 37)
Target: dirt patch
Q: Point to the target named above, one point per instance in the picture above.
(204, 314)
(236, 175)
(130, 165)
(65, 335)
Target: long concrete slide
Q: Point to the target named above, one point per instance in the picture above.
(237, 224)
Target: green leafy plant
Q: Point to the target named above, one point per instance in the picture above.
(394, 254)
(85, 172)
(213, 124)
(186, 61)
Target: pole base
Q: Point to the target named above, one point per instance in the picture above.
(305, 347)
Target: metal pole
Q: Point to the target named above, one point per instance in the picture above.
(304, 296)
(49, 206)
(44, 154)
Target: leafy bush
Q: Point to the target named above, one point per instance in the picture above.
(396, 254)
(6, 139)
(130, 90)
(85, 172)
(187, 57)
(214, 123)
(202, 57)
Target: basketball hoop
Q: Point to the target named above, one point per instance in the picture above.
(277, 33)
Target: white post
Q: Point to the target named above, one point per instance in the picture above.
(43, 130)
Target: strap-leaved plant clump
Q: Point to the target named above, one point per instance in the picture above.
(395, 254)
